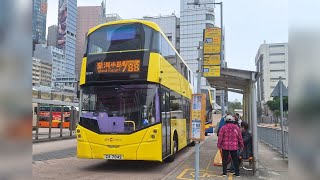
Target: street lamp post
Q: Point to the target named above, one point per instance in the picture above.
(200, 71)
(197, 2)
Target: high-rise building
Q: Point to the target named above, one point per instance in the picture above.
(272, 62)
(41, 72)
(112, 17)
(65, 83)
(193, 20)
(67, 28)
(39, 20)
(170, 25)
(53, 56)
(52, 35)
(88, 17)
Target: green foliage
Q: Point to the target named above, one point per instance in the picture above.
(277, 113)
(234, 105)
(275, 104)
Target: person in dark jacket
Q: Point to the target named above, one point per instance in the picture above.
(247, 141)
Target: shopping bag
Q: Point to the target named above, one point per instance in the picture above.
(218, 158)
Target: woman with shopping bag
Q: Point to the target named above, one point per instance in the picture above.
(230, 140)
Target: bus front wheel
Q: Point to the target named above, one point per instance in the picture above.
(175, 149)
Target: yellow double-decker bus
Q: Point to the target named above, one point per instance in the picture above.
(135, 94)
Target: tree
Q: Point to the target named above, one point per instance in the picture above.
(234, 105)
(275, 104)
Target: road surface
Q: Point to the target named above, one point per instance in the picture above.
(56, 160)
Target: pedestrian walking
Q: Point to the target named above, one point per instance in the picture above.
(230, 140)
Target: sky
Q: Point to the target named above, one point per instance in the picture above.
(247, 23)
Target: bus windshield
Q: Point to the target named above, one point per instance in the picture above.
(120, 37)
(120, 108)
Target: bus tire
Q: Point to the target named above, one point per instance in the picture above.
(175, 148)
(193, 143)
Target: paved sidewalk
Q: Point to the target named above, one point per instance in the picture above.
(271, 165)
(43, 135)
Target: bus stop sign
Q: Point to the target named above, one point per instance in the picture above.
(198, 112)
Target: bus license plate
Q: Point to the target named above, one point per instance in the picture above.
(113, 156)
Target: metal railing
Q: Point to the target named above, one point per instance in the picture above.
(63, 124)
(272, 137)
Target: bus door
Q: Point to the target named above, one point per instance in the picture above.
(166, 124)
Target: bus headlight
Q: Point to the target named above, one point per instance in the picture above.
(155, 131)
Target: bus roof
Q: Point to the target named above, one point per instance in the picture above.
(148, 23)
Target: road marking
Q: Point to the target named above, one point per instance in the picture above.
(230, 177)
(182, 174)
(189, 174)
(211, 158)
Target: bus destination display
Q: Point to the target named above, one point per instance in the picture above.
(124, 66)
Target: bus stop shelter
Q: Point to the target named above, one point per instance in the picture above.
(242, 82)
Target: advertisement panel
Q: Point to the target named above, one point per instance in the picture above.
(43, 7)
(62, 24)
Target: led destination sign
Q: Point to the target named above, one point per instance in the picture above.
(124, 66)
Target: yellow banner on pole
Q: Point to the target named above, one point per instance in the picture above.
(212, 40)
(211, 59)
(211, 71)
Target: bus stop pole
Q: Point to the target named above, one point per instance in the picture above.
(61, 121)
(50, 121)
(281, 120)
(38, 118)
(197, 145)
(72, 118)
(254, 128)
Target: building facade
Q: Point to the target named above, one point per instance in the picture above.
(112, 17)
(272, 62)
(53, 56)
(170, 25)
(66, 36)
(65, 83)
(193, 20)
(41, 72)
(88, 17)
(52, 35)
(39, 20)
